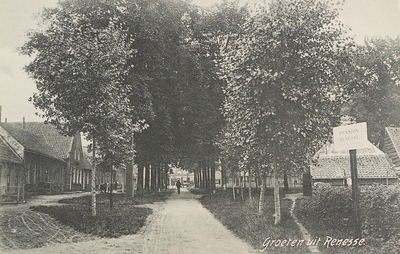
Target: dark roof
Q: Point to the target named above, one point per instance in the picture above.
(41, 138)
(7, 153)
(392, 144)
(394, 134)
(371, 163)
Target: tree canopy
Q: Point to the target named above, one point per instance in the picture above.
(286, 74)
(377, 102)
(84, 74)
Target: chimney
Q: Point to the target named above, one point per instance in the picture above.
(5, 120)
(0, 113)
(23, 122)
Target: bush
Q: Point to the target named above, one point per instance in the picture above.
(380, 207)
(329, 211)
(331, 205)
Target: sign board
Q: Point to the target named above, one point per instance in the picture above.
(350, 137)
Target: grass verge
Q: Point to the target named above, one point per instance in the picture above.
(123, 219)
(242, 217)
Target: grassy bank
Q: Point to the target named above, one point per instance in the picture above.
(241, 217)
(123, 219)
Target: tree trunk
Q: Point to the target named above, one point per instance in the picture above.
(223, 176)
(285, 180)
(93, 187)
(147, 177)
(111, 189)
(207, 175)
(153, 169)
(262, 193)
(213, 175)
(277, 200)
(233, 186)
(250, 197)
(129, 180)
(140, 179)
(241, 187)
(204, 177)
(160, 178)
(166, 178)
(196, 184)
(244, 178)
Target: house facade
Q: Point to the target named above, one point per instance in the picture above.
(373, 166)
(11, 172)
(49, 162)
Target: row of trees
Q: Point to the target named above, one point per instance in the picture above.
(163, 81)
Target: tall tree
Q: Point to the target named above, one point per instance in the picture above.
(378, 100)
(285, 74)
(84, 75)
(206, 34)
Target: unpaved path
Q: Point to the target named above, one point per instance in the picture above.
(307, 237)
(179, 225)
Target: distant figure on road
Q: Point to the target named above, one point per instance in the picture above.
(178, 186)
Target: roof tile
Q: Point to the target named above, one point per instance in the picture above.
(41, 138)
(337, 166)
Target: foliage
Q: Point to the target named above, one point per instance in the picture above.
(329, 212)
(381, 211)
(199, 117)
(331, 205)
(378, 99)
(286, 71)
(285, 75)
(83, 72)
(161, 60)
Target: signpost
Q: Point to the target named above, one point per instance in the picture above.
(352, 137)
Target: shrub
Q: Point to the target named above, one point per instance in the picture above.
(380, 208)
(331, 209)
(330, 205)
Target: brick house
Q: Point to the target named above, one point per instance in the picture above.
(51, 162)
(373, 166)
(11, 171)
(391, 145)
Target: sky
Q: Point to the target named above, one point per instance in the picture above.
(366, 18)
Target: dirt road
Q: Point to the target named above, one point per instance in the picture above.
(179, 225)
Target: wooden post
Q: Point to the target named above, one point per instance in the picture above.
(356, 192)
